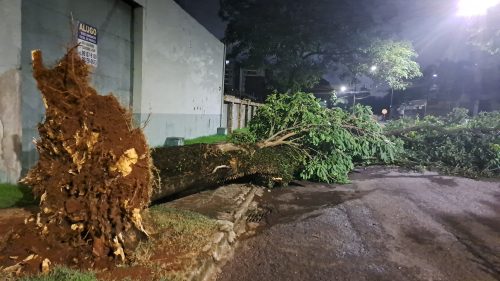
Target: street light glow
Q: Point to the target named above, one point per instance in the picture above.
(473, 8)
(343, 88)
(373, 68)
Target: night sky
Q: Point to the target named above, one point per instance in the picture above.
(206, 13)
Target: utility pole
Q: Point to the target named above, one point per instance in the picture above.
(390, 106)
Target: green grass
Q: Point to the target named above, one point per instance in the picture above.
(182, 223)
(184, 234)
(15, 196)
(207, 139)
(63, 274)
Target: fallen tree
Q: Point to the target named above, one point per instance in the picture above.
(201, 166)
(291, 136)
(93, 176)
(454, 144)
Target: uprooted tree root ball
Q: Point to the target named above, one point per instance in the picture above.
(94, 173)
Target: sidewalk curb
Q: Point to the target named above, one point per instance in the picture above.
(225, 241)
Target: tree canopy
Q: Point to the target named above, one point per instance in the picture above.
(329, 142)
(394, 62)
(298, 40)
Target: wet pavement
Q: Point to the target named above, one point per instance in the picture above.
(387, 225)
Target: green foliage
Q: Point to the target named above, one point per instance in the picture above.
(486, 120)
(454, 144)
(207, 139)
(282, 112)
(242, 136)
(457, 117)
(15, 196)
(395, 62)
(63, 274)
(333, 141)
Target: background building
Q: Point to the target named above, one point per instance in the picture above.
(155, 58)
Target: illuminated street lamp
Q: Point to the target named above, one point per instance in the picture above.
(343, 89)
(373, 68)
(474, 8)
(384, 113)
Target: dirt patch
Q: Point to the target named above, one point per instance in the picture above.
(93, 177)
(30, 248)
(10, 220)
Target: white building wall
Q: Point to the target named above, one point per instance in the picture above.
(10, 90)
(46, 25)
(181, 73)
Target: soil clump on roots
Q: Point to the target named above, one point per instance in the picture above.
(93, 177)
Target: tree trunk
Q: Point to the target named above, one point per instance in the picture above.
(197, 167)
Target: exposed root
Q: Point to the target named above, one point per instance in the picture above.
(220, 167)
(94, 173)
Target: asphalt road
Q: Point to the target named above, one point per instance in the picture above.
(386, 225)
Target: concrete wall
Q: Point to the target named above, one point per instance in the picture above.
(46, 26)
(182, 75)
(10, 92)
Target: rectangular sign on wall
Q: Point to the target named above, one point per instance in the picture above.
(87, 43)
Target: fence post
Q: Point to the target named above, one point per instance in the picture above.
(230, 117)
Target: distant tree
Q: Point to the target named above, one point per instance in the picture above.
(392, 62)
(299, 40)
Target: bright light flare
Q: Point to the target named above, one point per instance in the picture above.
(343, 89)
(474, 8)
